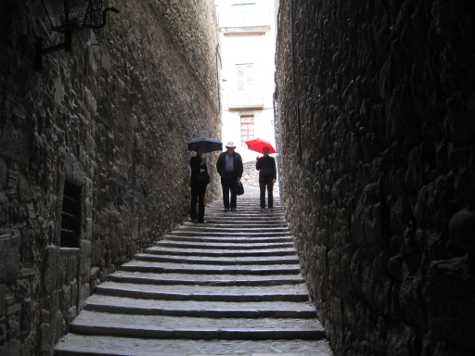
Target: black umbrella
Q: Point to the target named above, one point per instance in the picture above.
(205, 144)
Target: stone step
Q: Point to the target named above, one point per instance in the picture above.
(224, 246)
(217, 288)
(218, 260)
(244, 212)
(224, 239)
(247, 209)
(145, 266)
(200, 228)
(252, 203)
(159, 326)
(246, 202)
(233, 225)
(254, 210)
(209, 227)
(203, 280)
(220, 252)
(241, 223)
(230, 234)
(88, 345)
(289, 293)
(242, 220)
(206, 309)
(245, 199)
(243, 215)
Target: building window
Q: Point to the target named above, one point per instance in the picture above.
(245, 13)
(245, 77)
(247, 127)
(71, 215)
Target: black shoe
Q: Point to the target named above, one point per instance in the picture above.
(233, 209)
(201, 221)
(226, 210)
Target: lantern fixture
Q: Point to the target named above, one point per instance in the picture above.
(67, 17)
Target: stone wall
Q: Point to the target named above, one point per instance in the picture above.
(376, 105)
(110, 119)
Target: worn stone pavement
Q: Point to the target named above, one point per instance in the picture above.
(231, 286)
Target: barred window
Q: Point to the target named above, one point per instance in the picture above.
(71, 215)
(247, 127)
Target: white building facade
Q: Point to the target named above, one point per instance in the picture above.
(247, 46)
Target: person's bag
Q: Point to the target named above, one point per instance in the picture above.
(239, 188)
(203, 178)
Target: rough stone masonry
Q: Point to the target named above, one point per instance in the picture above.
(375, 106)
(93, 165)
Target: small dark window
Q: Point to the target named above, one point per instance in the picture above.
(71, 215)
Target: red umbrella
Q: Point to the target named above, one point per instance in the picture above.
(259, 145)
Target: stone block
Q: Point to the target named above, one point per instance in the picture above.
(456, 329)
(90, 101)
(45, 316)
(16, 142)
(46, 341)
(13, 309)
(59, 92)
(69, 264)
(3, 332)
(9, 255)
(26, 317)
(85, 257)
(450, 278)
(11, 348)
(53, 273)
(3, 173)
(25, 193)
(395, 267)
(13, 327)
(71, 314)
(462, 230)
(59, 326)
(84, 293)
(66, 298)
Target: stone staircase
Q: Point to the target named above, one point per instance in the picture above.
(231, 286)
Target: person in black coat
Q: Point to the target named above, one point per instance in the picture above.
(230, 169)
(198, 182)
(267, 176)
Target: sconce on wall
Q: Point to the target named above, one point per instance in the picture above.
(67, 17)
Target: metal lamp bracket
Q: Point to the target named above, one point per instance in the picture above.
(94, 17)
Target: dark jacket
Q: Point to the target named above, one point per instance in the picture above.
(220, 166)
(266, 167)
(199, 172)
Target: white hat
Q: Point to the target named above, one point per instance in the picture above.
(230, 144)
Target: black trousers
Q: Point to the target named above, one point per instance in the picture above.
(198, 196)
(267, 183)
(229, 188)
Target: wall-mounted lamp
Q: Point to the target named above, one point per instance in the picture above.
(71, 16)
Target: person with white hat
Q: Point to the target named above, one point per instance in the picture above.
(230, 169)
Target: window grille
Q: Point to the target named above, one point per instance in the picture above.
(247, 127)
(71, 215)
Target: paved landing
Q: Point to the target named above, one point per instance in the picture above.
(231, 286)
